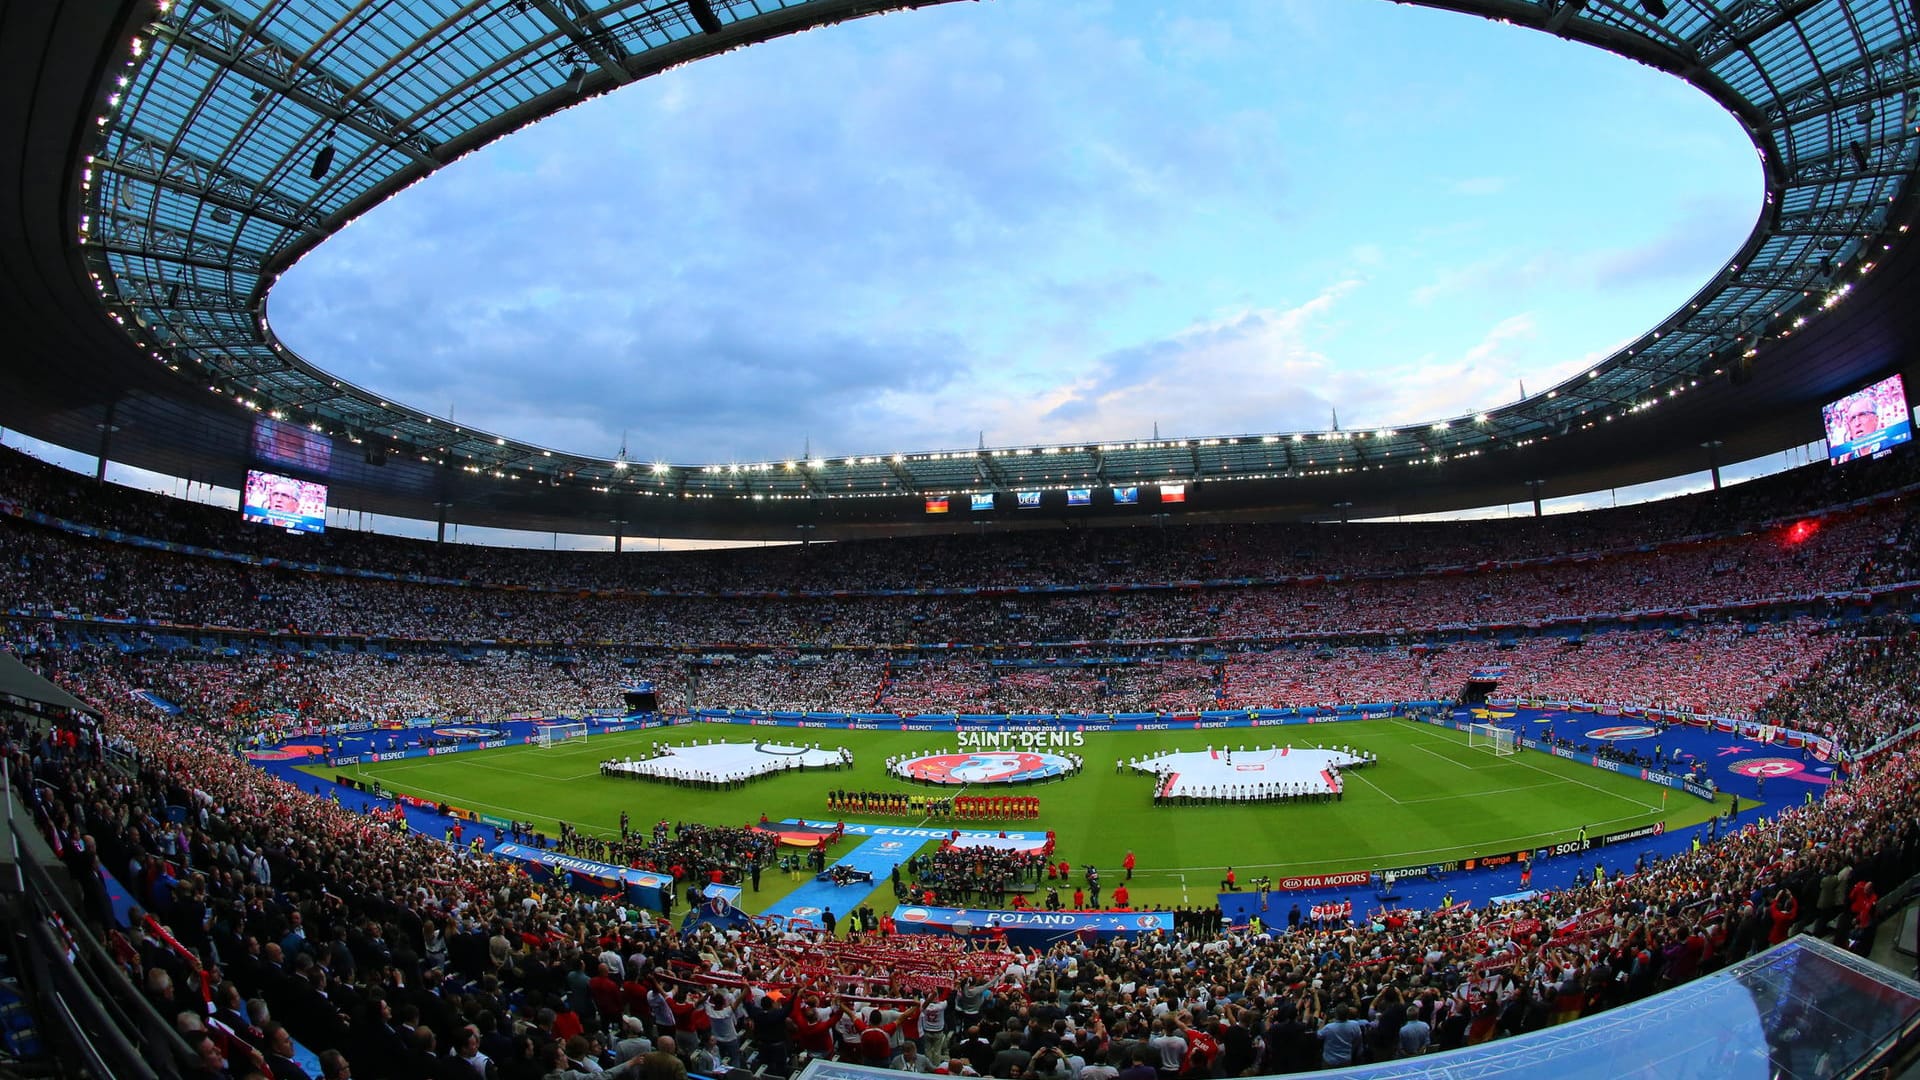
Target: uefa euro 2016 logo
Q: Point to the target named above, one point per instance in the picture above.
(1009, 767)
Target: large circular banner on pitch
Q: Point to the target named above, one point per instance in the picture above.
(1622, 732)
(986, 767)
(1766, 768)
(467, 732)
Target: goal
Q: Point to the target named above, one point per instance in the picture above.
(552, 735)
(1490, 737)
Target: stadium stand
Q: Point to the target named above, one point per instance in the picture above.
(426, 953)
(177, 912)
(301, 920)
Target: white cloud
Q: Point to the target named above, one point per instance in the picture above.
(1252, 369)
(1018, 218)
(1259, 370)
(1508, 274)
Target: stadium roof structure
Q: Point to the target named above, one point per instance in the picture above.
(176, 157)
(18, 682)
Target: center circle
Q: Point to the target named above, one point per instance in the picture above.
(986, 767)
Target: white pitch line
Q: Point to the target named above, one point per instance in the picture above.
(1356, 775)
(1584, 784)
(955, 795)
(498, 769)
(1451, 760)
(1475, 794)
(511, 813)
(1518, 759)
(1515, 759)
(1388, 857)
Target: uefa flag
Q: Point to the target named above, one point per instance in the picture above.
(937, 505)
(1173, 493)
(1126, 496)
(1029, 500)
(983, 502)
(1079, 496)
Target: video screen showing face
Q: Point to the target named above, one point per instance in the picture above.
(283, 502)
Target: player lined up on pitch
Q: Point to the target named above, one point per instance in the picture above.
(958, 807)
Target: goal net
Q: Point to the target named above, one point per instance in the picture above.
(552, 735)
(1490, 737)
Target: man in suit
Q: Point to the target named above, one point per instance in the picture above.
(279, 1054)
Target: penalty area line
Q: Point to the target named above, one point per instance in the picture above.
(1356, 775)
(1389, 858)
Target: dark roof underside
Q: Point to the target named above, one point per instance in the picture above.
(201, 191)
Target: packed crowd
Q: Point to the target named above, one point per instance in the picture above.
(1012, 558)
(1720, 668)
(1897, 559)
(55, 575)
(1861, 693)
(1165, 683)
(302, 920)
(296, 919)
(284, 693)
(980, 876)
(685, 850)
(783, 680)
(1868, 690)
(1590, 564)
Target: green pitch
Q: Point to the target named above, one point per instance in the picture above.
(1430, 798)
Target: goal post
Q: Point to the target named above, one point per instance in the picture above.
(551, 735)
(1492, 738)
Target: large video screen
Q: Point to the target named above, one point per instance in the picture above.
(1865, 423)
(282, 501)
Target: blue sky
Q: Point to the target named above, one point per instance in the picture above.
(1041, 222)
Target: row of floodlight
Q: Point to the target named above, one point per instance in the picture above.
(321, 165)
